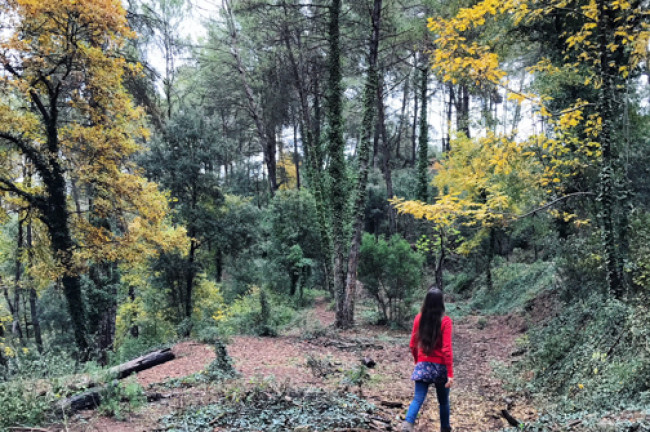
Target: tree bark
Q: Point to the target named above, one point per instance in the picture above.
(402, 116)
(92, 398)
(370, 100)
(462, 110)
(337, 165)
(386, 158)
(16, 329)
(33, 296)
(423, 150)
(56, 219)
(296, 157)
(608, 190)
(414, 140)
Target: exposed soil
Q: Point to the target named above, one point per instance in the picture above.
(476, 398)
(191, 357)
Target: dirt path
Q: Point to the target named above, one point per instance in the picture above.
(476, 399)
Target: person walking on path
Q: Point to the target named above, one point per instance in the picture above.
(431, 346)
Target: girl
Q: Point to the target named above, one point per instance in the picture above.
(434, 358)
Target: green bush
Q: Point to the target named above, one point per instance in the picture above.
(21, 406)
(119, 398)
(257, 313)
(391, 271)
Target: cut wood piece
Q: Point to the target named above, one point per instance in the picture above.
(391, 404)
(513, 421)
(86, 400)
(141, 363)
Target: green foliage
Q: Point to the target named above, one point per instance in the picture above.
(593, 356)
(515, 286)
(21, 405)
(256, 313)
(120, 398)
(357, 376)
(639, 266)
(222, 366)
(581, 422)
(391, 271)
(275, 410)
(293, 246)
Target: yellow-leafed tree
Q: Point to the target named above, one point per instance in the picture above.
(64, 110)
(596, 46)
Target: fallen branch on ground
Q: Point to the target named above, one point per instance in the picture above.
(91, 399)
(513, 421)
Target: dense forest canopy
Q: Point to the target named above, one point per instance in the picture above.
(161, 181)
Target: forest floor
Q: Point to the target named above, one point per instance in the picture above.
(477, 397)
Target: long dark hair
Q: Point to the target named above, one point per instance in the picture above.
(433, 309)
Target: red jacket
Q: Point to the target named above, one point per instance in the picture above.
(442, 353)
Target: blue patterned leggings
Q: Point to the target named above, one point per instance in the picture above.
(421, 390)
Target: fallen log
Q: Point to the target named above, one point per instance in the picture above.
(87, 400)
(141, 363)
(91, 398)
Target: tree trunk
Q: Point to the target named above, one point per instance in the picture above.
(423, 151)
(337, 165)
(441, 261)
(415, 121)
(142, 363)
(386, 158)
(490, 256)
(313, 154)
(608, 189)
(190, 276)
(402, 116)
(33, 297)
(450, 109)
(16, 329)
(462, 110)
(91, 399)
(218, 265)
(296, 157)
(62, 245)
(370, 93)
(270, 159)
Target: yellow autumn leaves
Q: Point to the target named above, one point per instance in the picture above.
(492, 179)
(73, 47)
(484, 182)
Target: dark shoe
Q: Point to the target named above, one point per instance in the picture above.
(445, 429)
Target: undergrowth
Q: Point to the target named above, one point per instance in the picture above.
(272, 409)
(593, 356)
(515, 286)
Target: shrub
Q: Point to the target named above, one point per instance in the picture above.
(20, 405)
(391, 272)
(256, 313)
(121, 397)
